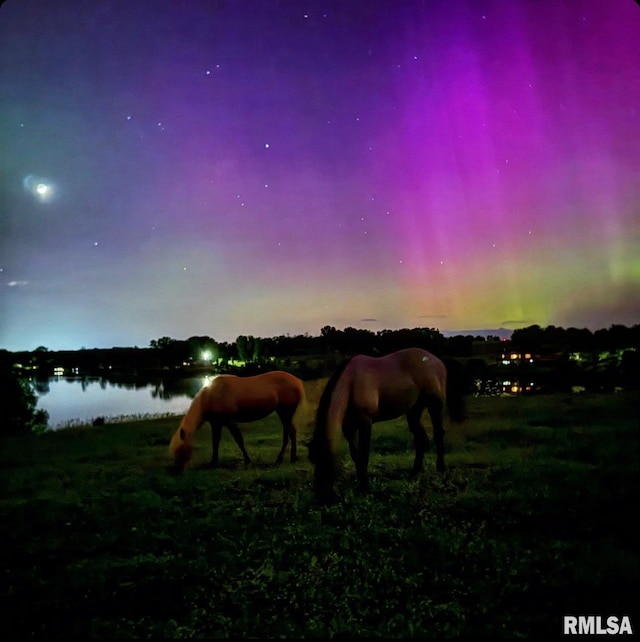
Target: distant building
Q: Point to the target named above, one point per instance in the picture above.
(515, 357)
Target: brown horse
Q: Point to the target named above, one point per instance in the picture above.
(230, 399)
(365, 390)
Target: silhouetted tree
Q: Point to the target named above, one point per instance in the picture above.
(161, 343)
(329, 339)
(199, 345)
(249, 348)
(357, 341)
(579, 340)
(18, 412)
(460, 346)
(529, 338)
(630, 369)
(173, 351)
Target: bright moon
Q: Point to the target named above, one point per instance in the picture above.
(40, 188)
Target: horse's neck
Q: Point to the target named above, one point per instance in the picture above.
(194, 417)
(336, 413)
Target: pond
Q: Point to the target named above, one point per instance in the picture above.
(79, 401)
(73, 401)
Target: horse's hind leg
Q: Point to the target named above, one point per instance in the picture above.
(288, 430)
(285, 441)
(436, 412)
(420, 439)
(237, 435)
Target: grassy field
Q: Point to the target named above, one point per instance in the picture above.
(534, 519)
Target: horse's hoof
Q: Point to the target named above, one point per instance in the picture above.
(326, 497)
(330, 500)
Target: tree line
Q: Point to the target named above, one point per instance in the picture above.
(331, 344)
(611, 357)
(555, 339)
(352, 341)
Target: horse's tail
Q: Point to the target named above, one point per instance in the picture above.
(320, 453)
(456, 390)
(303, 415)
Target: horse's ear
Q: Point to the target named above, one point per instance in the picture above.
(182, 434)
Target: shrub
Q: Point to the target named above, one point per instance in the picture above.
(18, 413)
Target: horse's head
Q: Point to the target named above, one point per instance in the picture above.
(324, 474)
(181, 449)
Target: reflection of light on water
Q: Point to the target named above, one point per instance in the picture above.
(494, 387)
(516, 388)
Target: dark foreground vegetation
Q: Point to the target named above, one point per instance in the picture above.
(534, 519)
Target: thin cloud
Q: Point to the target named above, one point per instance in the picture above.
(517, 322)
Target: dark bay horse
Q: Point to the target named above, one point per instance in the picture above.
(230, 399)
(365, 390)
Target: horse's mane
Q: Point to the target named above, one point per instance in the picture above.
(318, 445)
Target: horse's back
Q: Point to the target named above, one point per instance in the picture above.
(427, 371)
(386, 387)
(289, 388)
(413, 364)
(263, 392)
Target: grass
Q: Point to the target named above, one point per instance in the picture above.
(534, 519)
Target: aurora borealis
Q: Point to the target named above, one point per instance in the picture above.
(270, 167)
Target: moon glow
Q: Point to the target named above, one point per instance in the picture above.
(41, 189)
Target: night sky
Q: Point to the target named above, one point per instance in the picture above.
(271, 167)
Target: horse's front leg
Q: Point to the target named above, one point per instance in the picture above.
(237, 435)
(359, 439)
(294, 443)
(216, 434)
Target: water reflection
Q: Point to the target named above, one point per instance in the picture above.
(492, 387)
(168, 389)
(78, 400)
(72, 401)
